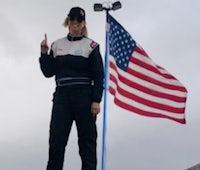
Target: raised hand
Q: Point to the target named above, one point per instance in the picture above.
(44, 45)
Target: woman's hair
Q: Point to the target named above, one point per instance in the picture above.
(84, 30)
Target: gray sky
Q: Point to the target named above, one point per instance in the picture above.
(169, 33)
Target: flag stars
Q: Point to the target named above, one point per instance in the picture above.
(121, 44)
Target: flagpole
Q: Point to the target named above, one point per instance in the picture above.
(105, 96)
(100, 7)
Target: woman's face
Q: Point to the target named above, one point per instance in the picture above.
(75, 27)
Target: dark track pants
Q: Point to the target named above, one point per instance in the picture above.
(72, 104)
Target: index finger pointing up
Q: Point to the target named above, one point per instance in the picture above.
(45, 38)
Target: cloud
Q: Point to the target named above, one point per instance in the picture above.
(168, 31)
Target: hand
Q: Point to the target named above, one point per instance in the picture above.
(44, 45)
(95, 108)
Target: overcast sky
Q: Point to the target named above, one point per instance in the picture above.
(169, 31)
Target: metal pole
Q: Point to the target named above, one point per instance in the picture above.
(105, 95)
(100, 7)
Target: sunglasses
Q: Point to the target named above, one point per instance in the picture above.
(75, 18)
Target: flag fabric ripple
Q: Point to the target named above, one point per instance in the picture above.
(137, 83)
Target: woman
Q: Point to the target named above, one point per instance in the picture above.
(77, 65)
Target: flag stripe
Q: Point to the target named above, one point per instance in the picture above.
(170, 106)
(145, 108)
(147, 63)
(154, 95)
(146, 96)
(138, 63)
(141, 84)
(132, 108)
(155, 80)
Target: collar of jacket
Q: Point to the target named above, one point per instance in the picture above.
(71, 38)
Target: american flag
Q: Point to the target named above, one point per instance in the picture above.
(137, 83)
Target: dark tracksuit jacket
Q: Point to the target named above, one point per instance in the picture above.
(77, 66)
